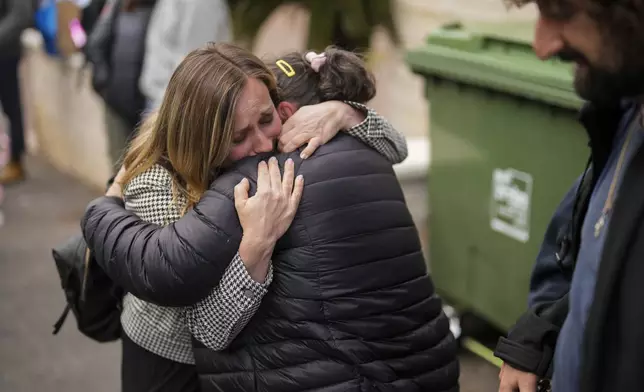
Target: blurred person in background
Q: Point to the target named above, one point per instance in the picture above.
(15, 17)
(350, 305)
(91, 14)
(177, 28)
(585, 324)
(5, 147)
(116, 49)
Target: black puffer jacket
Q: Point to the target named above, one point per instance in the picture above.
(351, 307)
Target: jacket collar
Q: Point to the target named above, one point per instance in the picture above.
(619, 254)
(602, 122)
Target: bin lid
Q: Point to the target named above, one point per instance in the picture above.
(498, 57)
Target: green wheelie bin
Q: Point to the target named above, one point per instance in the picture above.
(505, 148)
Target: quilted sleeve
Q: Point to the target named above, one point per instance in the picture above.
(175, 265)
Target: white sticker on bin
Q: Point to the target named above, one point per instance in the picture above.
(510, 203)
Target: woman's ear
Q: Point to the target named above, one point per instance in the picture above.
(285, 110)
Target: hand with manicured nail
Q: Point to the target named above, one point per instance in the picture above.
(116, 189)
(267, 215)
(316, 125)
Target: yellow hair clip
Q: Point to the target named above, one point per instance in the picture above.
(286, 68)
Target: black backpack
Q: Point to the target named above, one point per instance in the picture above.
(91, 295)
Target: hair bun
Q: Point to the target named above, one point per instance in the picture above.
(344, 77)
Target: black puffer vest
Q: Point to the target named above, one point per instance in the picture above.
(351, 306)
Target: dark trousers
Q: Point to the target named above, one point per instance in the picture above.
(11, 105)
(143, 371)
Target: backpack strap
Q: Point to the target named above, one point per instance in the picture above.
(86, 261)
(61, 319)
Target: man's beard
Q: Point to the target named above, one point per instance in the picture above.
(596, 84)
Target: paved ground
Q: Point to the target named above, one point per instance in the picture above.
(39, 214)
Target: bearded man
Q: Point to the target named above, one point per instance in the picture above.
(585, 325)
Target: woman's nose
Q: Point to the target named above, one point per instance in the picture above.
(263, 143)
(547, 38)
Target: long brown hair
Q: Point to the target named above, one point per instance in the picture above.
(191, 133)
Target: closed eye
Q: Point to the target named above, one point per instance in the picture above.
(266, 119)
(239, 137)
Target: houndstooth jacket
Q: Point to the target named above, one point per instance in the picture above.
(216, 320)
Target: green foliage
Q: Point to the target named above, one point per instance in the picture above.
(351, 21)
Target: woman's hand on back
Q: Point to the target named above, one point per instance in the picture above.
(317, 125)
(116, 189)
(267, 215)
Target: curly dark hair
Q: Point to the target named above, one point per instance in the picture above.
(621, 21)
(615, 12)
(343, 77)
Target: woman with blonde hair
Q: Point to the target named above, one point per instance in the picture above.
(219, 107)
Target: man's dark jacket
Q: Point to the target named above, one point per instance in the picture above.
(351, 306)
(613, 348)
